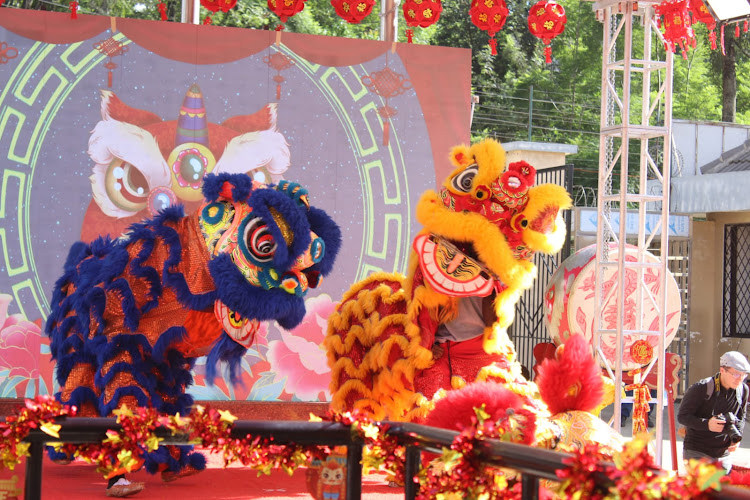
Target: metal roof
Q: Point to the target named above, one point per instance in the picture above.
(734, 160)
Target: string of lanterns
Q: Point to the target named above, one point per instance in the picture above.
(677, 17)
(546, 18)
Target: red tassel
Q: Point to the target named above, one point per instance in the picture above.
(409, 35)
(226, 191)
(163, 10)
(386, 131)
(736, 30)
(548, 54)
(744, 27)
(278, 91)
(712, 37)
(74, 10)
(493, 46)
(109, 79)
(723, 49)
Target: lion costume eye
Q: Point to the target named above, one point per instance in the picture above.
(257, 243)
(126, 186)
(464, 181)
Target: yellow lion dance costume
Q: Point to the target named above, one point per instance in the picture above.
(386, 342)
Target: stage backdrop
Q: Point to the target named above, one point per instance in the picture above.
(366, 126)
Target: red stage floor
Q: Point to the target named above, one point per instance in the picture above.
(81, 481)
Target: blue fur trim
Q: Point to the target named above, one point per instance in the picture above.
(141, 398)
(80, 396)
(197, 460)
(148, 273)
(62, 330)
(74, 347)
(185, 457)
(227, 350)
(160, 456)
(131, 314)
(176, 280)
(178, 372)
(97, 299)
(253, 302)
(261, 202)
(113, 263)
(242, 186)
(181, 405)
(57, 455)
(171, 336)
(325, 227)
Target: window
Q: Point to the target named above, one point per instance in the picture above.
(736, 280)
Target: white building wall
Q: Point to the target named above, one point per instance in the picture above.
(698, 143)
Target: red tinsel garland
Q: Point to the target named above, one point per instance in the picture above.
(39, 413)
(458, 471)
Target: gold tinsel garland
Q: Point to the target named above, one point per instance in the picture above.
(458, 471)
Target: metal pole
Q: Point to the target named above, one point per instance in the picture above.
(190, 12)
(354, 471)
(388, 20)
(33, 486)
(531, 107)
(413, 456)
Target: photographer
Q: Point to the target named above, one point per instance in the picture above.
(713, 411)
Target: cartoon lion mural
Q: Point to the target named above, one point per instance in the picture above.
(143, 163)
(395, 341)
(129, 316)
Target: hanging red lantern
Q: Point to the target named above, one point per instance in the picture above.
(215, 6)
(286, 8)
(489, 16)
(353, 11)
(422, 13)
(162, 10)
(547, 20)
(700, 14)
(676, 23)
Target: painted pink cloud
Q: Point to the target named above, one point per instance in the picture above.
(300, 356)
(20, 342)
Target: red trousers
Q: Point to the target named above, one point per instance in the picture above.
(459, 359)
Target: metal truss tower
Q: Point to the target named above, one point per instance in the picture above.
(635, 134)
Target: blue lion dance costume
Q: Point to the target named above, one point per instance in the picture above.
(130, 315)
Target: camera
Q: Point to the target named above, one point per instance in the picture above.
(730, 427)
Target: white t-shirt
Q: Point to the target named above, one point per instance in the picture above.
(468, 324)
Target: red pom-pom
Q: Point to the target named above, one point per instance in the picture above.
(456, 410)
(573, 381)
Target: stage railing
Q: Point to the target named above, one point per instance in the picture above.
(533, 463)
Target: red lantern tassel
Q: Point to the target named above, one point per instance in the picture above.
(278, 91)
(723, 49)
(409, 35)
(712, 37)
(493, 45)
(109, 79)
(736, 30)
(74, 10)
(163, 11)
(386, 131)
(548, 54)
(744, 27)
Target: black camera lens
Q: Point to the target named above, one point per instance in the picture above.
(730, 428)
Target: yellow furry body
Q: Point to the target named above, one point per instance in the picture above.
(379, 339)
